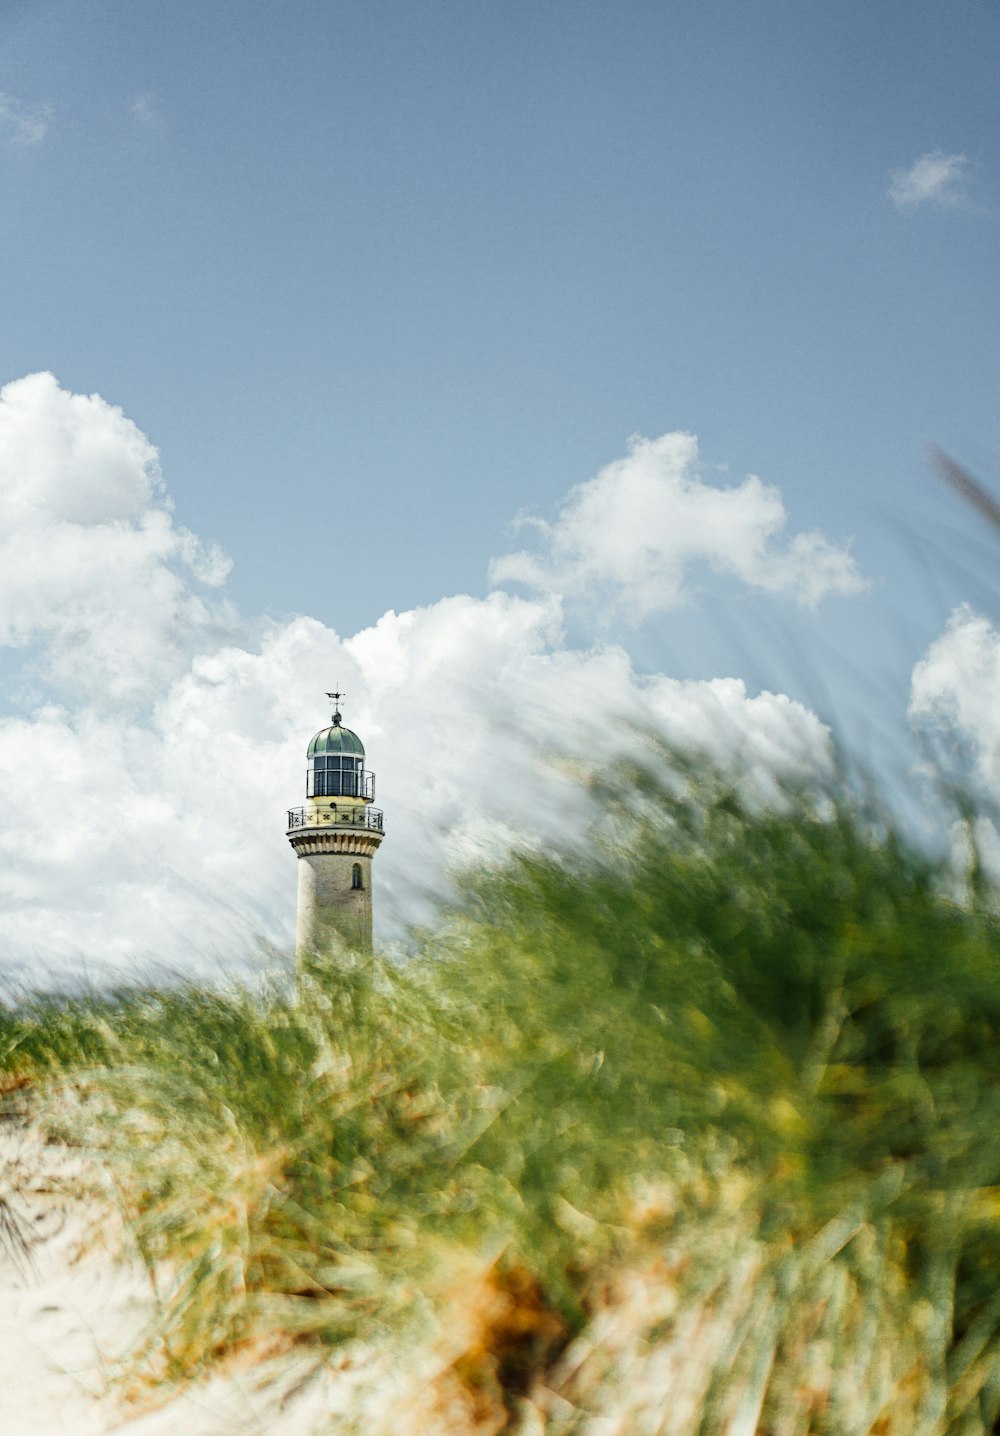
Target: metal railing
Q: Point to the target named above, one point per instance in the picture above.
(332, 816)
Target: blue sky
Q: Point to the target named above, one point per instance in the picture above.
(376, 279)
(445, 258)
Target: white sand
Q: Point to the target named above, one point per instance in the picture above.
(65, 1311)
(75, 1301)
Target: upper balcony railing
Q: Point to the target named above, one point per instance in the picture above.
(335, 817)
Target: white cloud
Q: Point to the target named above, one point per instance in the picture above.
(624, 541)
(145, 794)
(145, 109)
(24, 126)
(955, 690)
(91, 561)
(955, 702)
(935, 178)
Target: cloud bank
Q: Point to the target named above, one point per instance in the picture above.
(159, 736)
(935, 178)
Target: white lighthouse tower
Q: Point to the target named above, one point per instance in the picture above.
(335, 837)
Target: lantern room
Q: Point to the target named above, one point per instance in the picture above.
(337, 765)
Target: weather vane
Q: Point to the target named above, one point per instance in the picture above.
(336, 698)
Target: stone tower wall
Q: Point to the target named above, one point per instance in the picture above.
(329, 906)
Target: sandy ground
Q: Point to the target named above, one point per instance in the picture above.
(73, 1303)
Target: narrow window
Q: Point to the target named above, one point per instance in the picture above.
(356, 876)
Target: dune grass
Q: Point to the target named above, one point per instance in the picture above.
(727, 1090)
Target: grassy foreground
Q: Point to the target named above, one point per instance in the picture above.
(702, 1131)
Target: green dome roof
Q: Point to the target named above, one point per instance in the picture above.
(336, 739)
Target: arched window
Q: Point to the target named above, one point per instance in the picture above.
(356, 876)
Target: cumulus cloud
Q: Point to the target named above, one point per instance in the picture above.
(934, 178)
(145, 791)
(955, 701)
(24, 125)
(955, 690)
(91, 562)
(624, 542)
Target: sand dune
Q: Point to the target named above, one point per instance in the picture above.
(74, 1303)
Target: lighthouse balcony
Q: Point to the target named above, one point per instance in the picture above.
(335, 817)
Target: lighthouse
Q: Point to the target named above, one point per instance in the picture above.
(335, 837)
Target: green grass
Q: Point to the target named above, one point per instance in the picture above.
(748, 1056)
